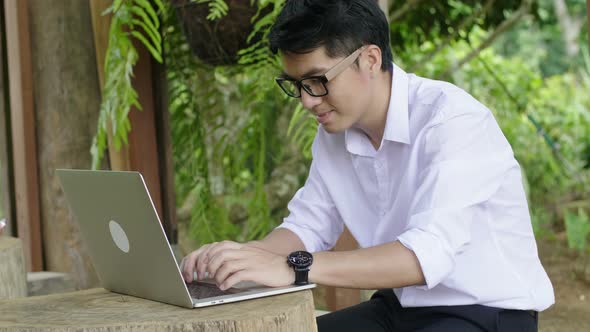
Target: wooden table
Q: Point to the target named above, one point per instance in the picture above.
(101, 310)
(13, 278)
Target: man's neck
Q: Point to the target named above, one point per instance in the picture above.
(374, 122)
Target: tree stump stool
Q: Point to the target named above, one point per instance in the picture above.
(13, 278)
(100, 310)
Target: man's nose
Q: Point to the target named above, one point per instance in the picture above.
(308, 101)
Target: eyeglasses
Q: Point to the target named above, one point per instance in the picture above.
(315, 86)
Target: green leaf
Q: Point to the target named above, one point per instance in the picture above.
(577, 230)
(150, 48)
(154, 36)
(147, 6)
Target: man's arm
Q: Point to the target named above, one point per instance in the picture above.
(280, 241)
(389, 265)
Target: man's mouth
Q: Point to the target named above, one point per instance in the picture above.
(323, 117)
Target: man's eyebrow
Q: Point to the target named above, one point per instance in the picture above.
(314, 71)
(284, 75)
(311, 72)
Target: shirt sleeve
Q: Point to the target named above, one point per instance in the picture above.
(313, 216)
(464, 162)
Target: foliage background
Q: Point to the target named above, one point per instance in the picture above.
(241, 148)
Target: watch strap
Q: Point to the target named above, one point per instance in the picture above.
(301, 276)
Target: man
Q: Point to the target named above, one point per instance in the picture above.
(418, 171)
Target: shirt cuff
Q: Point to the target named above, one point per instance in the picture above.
(433, 255)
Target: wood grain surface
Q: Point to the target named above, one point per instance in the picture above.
(100, 310)
(13, 279)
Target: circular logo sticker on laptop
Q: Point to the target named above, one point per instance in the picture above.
(119, 236)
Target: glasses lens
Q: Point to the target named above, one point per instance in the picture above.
(290, 87)
(314, 86)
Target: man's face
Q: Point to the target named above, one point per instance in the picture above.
(349, 93)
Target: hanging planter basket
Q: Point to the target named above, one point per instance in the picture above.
(216, 42)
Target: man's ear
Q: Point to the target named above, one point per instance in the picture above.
(373, 58)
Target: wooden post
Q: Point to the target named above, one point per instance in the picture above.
(99, 310)
(118, 159)
(144, 151)
(143, 145)
(13, 279)
(24, 143)
(164, 140)
(6, 172)
(67, 101)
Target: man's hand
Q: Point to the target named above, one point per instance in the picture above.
(229, 265)
(231, 262)
(197, 260)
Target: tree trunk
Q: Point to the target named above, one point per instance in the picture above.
(100, 310)
(571, 27)
(67, 100)
(384, 5)
(502, 28)
(13, 279)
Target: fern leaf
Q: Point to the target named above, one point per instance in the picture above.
(150, 48)
(154, 37)
(149, 9)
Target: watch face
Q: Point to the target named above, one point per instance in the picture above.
(300, 259)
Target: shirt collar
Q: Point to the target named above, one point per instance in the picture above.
(397, 127)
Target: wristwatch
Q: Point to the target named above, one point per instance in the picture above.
(300, 261)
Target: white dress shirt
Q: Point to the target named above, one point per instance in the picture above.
(444, 182)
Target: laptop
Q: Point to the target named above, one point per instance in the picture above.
(129, 248)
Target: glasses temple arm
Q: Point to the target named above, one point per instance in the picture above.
(330, 74)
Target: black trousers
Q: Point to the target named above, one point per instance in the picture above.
(383, 312)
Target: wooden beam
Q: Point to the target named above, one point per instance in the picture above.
(100, 29)
(66, 98)
(118, 159)
(164, 140)
(6, 172)
(24, 147)
(142, 152)
(143, 146)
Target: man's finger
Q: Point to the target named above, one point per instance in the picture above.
(234, 279)
(189, 263)
(222, 257)
(224, 245)
(203, 260)
(229, 268)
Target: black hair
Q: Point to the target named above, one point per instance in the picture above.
(341, 26)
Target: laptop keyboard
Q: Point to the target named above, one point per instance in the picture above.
(203, 290)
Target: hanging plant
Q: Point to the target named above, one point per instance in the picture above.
(130, 19)
(216, 30)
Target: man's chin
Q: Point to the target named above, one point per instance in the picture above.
(332, 129)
